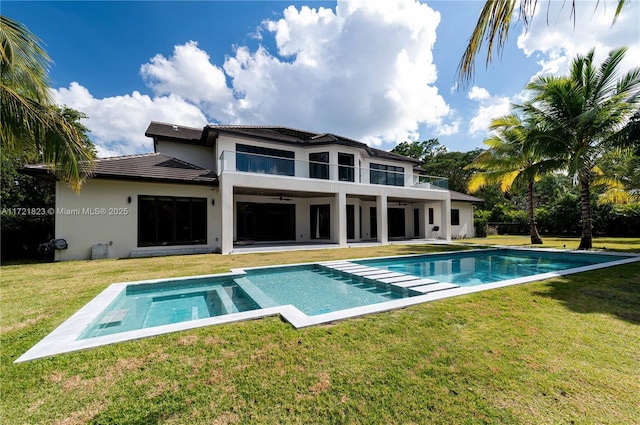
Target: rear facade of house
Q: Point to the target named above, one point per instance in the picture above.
(222, 188)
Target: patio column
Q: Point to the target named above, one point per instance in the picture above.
(226, 210)
(341, 222)
(382, 226)
(445, 219)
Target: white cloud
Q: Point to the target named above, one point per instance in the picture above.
(478, 93)
(448, 129)
(489, 107)
(118, 123)
(555, 40)
(190, 75)
(365, 71)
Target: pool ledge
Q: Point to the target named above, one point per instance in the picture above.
(64, 339)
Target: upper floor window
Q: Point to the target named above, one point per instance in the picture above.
(319, 165)
(258, 159)
(386, 174)
(345, 167)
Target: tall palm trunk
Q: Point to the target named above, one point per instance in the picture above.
(585, 214)
(533, 229)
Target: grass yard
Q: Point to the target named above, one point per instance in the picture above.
(599, 244)
(563, 350)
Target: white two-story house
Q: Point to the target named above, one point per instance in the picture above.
(221, 188)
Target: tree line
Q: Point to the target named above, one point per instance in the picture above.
(581, 128)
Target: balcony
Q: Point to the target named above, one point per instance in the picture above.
(231, 161)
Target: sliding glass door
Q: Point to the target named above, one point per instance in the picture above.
(266, 222)
(320, 221)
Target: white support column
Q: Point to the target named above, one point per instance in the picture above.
(445, 219)
(382, 218)
(226, 211)
(341, 220)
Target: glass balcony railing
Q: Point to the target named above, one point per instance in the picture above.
(231, 161)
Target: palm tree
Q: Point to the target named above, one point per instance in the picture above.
(31, 123)
(583, 115)
(511, 162)
(493, 27)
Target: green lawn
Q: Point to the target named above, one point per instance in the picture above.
(599, 244)
(564, 350)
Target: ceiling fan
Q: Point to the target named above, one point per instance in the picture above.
(283, 198)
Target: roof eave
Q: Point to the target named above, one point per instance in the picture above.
(40, 173)
(107, 176)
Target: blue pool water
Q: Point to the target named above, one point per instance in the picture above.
(313, 290)
(481, 267)
(316, 289)
(164, 303)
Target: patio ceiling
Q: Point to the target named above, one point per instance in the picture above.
(294, 194)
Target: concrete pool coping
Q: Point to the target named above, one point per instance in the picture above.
(64, 339)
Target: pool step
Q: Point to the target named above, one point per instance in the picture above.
(400, 281)
(114, 318)
(433, 287)
(414, 282)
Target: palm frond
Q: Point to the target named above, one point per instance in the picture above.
(621, 4)
(30, 120)
(23, 61)
(607, 73)
(493, 27)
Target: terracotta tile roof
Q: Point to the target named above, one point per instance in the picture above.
(146, 167)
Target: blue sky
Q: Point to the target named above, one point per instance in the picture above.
(380, 71)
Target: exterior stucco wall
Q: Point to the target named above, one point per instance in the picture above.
(466, 228)
(361, 160)
(202, 156)
(101, 214)
(116, 221)
(429, 231)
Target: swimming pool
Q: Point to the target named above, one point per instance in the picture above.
(312, 289)
(164, 303)
(303, 294)
(487, 266)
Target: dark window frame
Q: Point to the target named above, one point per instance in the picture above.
(388, 175)
(346, 163)
(265, 221)
(351, 221)
(320, 220)
(455, 217)
(263, 160)
(171, 220)
(319, 165)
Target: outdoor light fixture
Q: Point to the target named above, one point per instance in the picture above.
(128, 199)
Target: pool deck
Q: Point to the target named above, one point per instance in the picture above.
(65, 338)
